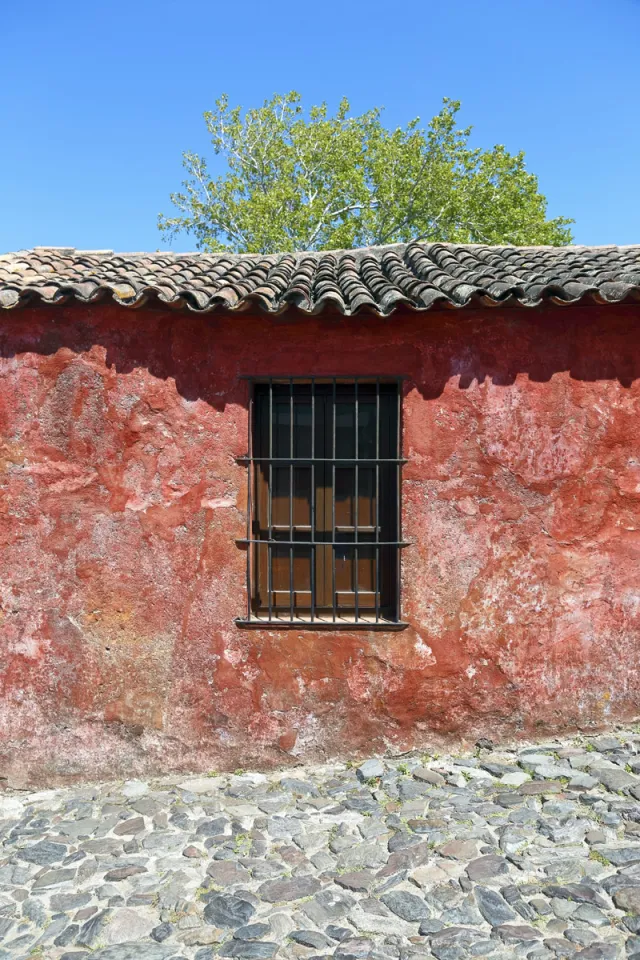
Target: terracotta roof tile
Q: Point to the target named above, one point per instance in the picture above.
(379, 279)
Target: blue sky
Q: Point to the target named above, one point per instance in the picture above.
(98, 100)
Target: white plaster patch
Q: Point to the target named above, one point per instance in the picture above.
(471, 671)
(234, 656)
(468, 506)
(218, 503)
(31, 643)
(307, 729)
(424, 652)
(138, 504)
(631, 603)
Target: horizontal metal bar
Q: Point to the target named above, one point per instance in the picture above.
(361, 624)
(330, 543)
(302, 527)
(330, 377)
(361, 528)
(359, 460)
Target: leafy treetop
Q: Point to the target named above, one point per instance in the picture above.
(320, 182)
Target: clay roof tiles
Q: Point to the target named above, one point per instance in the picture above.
(377, 279)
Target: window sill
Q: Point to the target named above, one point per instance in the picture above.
(257, 623)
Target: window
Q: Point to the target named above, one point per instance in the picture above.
(324, 503)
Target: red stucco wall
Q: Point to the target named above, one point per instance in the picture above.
(120, 504)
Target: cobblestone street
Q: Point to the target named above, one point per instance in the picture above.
(525, 852)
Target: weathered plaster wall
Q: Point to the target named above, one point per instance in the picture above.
(120, 503)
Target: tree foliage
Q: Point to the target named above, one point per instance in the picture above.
(296, 181)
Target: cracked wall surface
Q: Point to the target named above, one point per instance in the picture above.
(121, 501)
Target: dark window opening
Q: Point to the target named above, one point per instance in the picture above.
(323, 545)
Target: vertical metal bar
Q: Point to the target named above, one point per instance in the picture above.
(291, 498)
(312, 556)
(270, 505)
(333, 507)
(356, 506)
(250, 546)
(377, 548)
(398, 498)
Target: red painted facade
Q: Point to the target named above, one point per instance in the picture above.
(121, 501)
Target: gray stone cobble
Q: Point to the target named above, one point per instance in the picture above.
(526, 851)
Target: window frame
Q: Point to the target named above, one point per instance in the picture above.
(326, 389)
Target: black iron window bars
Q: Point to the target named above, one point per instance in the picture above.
(324, 502)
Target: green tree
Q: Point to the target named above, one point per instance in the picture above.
(319, 182)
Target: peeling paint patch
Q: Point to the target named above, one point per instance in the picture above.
(424, 652)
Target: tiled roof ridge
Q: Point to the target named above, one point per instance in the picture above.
(417, 275)
(373, 250)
